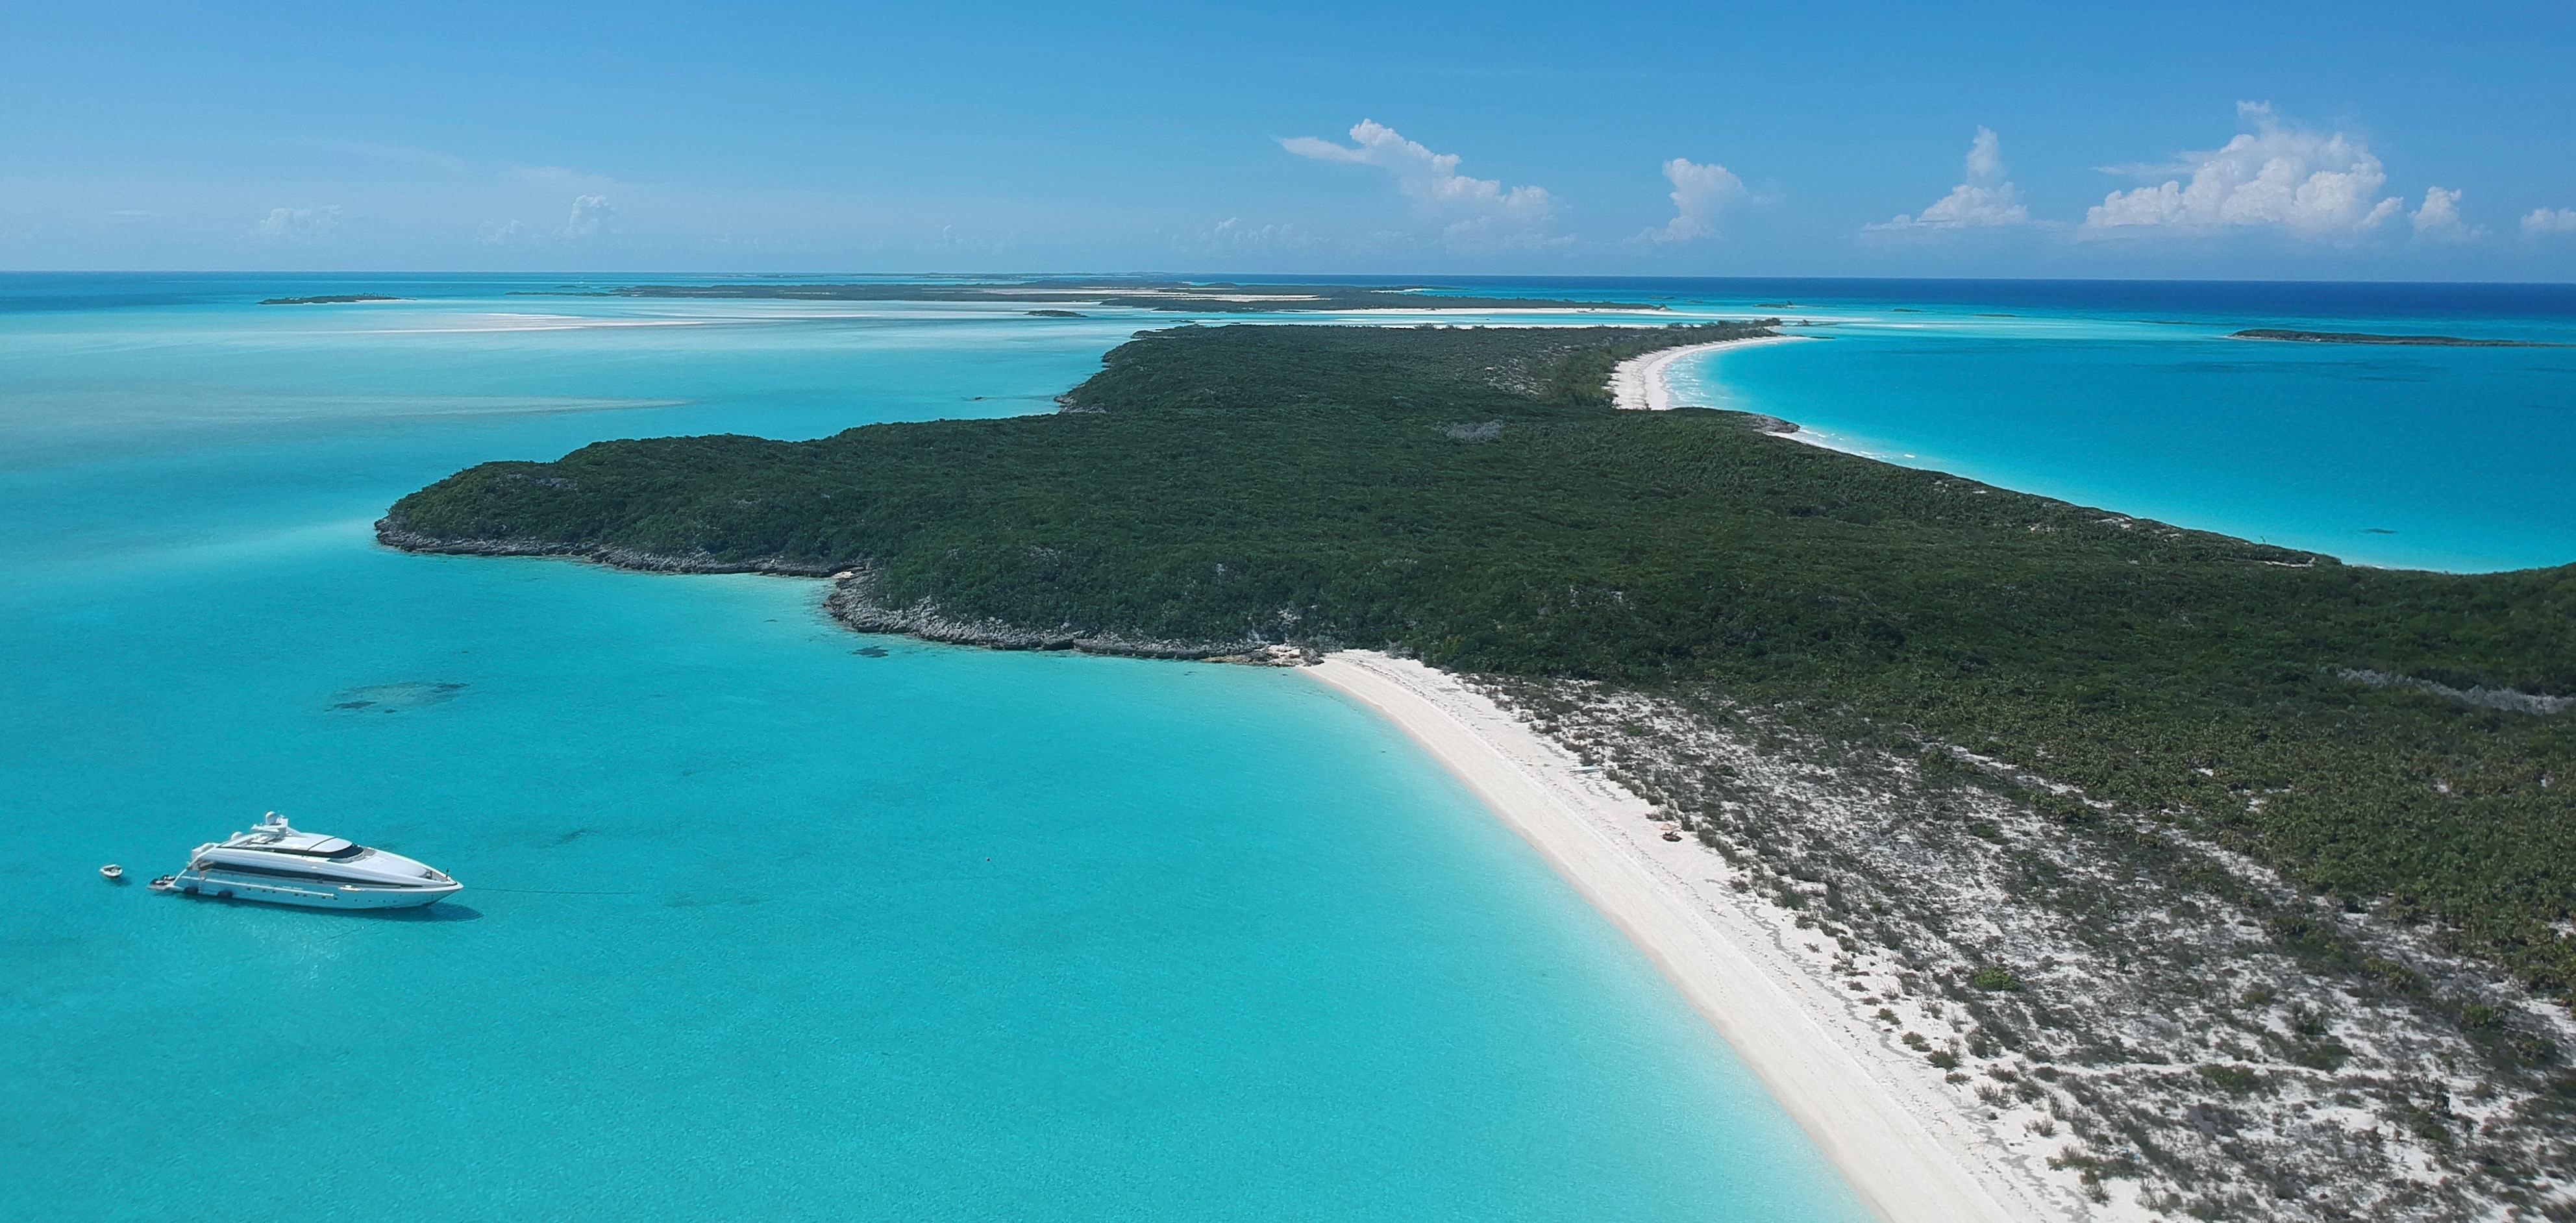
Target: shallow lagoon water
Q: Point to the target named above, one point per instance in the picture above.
(763, 919)
(768, 920)
(2133, 398)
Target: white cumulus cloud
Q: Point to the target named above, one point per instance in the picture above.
(1986, 198)
(1699, 194)
(590, 217)
(2280, 176)
(1477, 211)
(2549, 221)
(2438, 219)
(297, 224)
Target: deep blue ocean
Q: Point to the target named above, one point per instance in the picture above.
(767, 920)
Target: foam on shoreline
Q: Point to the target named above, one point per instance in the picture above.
(1902, 1147)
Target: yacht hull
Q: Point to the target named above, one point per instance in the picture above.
(311, 894)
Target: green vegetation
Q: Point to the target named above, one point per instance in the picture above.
(2234, 1080)
(1465, 495)
(2364, 337)
(1994, 976)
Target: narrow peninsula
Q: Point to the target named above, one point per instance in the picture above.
(330, 299)
(2364, 337)
(2181, 872)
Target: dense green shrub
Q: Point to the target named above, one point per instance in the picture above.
(1464, 495)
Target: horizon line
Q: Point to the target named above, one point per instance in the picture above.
(1277, 277)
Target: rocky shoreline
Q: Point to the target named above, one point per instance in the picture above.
(393, 535)
(853, 602)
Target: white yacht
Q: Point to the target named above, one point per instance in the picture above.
(276, 863)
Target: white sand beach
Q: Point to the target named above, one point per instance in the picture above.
(1909, 1143)
(1639, 384)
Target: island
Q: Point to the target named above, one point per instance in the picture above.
(1198, 297)
(2364, 337)
(334, 299)
(2145, 862)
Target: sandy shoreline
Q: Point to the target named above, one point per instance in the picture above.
(1638, 385)
(1887, 1125)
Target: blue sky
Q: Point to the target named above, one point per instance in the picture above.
(2309, 141)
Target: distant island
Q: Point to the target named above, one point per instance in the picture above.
(2363, 337)
(2206, 856)
(1056, 314)
(334, 299)
(1219, 297)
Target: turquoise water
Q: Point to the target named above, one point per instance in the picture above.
(763, 923)
(760, 923)
(2411, 457)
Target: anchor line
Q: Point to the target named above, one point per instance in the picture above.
(548, 892)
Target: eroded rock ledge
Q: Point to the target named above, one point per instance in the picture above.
(854, 603)
(395, 535)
